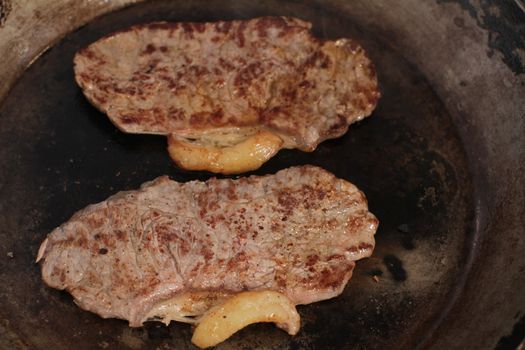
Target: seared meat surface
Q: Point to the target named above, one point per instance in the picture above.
(237, 77)
(298, 232)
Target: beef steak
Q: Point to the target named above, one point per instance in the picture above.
(298, 232)
(189, 80)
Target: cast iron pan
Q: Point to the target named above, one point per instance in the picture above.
(60, 154)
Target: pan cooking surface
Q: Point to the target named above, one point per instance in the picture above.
(60, 154)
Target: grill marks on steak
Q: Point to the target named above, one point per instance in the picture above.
(269, 72)
(297, 232)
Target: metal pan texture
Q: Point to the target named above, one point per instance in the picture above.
(441, 161)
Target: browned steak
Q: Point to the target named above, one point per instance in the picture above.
(297, 232)
(270, 73)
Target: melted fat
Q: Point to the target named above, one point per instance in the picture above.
(187, 307)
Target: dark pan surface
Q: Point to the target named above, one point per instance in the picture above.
(60, 154)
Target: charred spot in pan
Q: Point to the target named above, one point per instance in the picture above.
(103, 251)
(395, 267)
